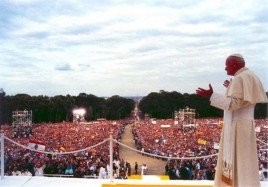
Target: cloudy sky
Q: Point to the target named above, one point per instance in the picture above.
(127, 48)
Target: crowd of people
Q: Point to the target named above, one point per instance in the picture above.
(22, 131)
(162, 137)
(175, 141)
(65, 137)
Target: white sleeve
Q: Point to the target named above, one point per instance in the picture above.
(220, 101)
(227, 103)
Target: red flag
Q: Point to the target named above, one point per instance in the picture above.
(37, 145)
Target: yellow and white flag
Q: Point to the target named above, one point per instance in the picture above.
(201, 141)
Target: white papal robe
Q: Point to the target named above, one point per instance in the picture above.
(237, 163)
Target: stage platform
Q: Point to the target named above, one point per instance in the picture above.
(144, 181)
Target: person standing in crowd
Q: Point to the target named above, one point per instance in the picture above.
(128, 169)
(26, 172)
(102, 172)
(39, 169)
(209, 173)
(30, 165)
(69, 170)
(136, 168)
(117, 166)
(264, 172)
(172, 172)
(16, 172)
(143, 169)
(122, 175)
(185, 172)
(237, 163)
(166, 168)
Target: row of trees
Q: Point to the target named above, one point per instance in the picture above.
(157, 105)
(163, 105)
(59, 108)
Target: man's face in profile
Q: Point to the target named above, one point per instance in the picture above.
(230, 66)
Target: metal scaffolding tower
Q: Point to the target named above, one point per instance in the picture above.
(22, 123)
(185, 116)
(22, 118)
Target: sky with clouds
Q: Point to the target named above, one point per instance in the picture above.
(127, 48)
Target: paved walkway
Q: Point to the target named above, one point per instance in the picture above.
(155, 166)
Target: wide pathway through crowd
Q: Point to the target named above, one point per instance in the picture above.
(155, 166)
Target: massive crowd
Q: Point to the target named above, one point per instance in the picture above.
(65, 137)
(175, 141)
(160, 137)
(164, 138)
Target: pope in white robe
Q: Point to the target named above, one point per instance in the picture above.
(237, 164)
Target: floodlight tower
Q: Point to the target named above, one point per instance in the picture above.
(79, 115)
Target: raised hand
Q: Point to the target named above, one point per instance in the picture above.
(205, 93)
(226, 83)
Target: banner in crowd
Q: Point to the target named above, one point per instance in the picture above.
(62, 149)
(201, 141)
(189, 125)
(37, 145)
(216, 145)
(257, 129)
(165, 126)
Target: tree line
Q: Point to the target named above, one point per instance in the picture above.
(163, 104)
(59, 108)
